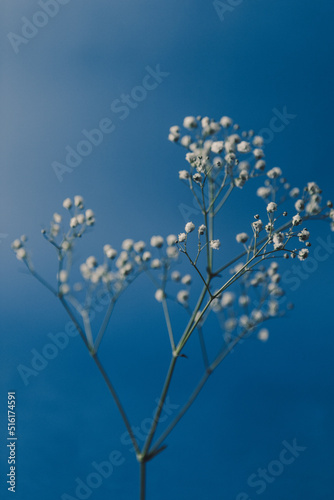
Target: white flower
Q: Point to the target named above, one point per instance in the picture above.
(21, 254)
(263, 334)
(156, 264)
(244, 300)
(260, 165)
(176, 276)
(127, 244)
(258, 141)
(274, 173)
(172, 252)
(175, 130)
(225, 121)
(63, 276)
(67, 203)
(271, 207)
(16, 244)
(303, 254)
(139, 246)
(157, 241)
(85, 271)
(257, 225)
(190, 122)
(258, 153)
(66, 245)
(189, 227)
(182, 297)
(313, 188)
(146, 256)
(74, 222)
(89, 213)
(184, 175)
(303, 235)
(313, 207)
(171, 240)
(182, 237)
(244, 147)
(64, 289)
(215, 244)
(109, 251)
(294, 193)
(230, 324)
(57, 218)
(159, 295)
(263, 192)
(296, 220)
(80, 218)
(191, 157)
(217, 147)
(186, 280)
(201, 229)
(241, 237)
(78, 201)
(227, 299)
(186, 140)
(91, 262)
(299, 205)
(278, 241)
(197, 178)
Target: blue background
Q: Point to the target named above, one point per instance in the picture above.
(264, 54)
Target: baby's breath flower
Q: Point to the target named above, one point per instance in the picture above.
(258, 153)
(217, 147)
(197, 178)
(299, 205)
(278, 241)
(225, 121)
(157, 241)
(260, 165)
(90, 217)
(57, 218)
(109, 251)
(172, 252)
(258, 141)
(182, 297)
(176, 276)
(63, 276)
(294, 193)
(215, 244)
(91, 262)
(244, 147)
(263, 192)
(241, 237)
(171, 240)
(201, 229)
(313, 188)
(184, 175)
(16, 244)
(244, 300)
(296, 220)
(189, 227)
(139, 246)
(146, 256)
(263, 334)
(159, 295)
(227, 299)
(156, 264)
(78, 201)
(303, 235)
(64, 289)
(80, 218)
(271, 207)
(257, 226)
(274, 173)
(21, 254)
(186, 141)
(191, 157)
(127, 245)
(303, 254)
(186, 280)
(190, 122)
(66, 245)
(67, 203)
(74, 222)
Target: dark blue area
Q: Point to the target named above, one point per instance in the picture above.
(264, 55)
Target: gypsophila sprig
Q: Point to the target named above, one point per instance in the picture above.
(189, 269)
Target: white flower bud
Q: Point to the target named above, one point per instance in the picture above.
(157, 241)
(186, 280)
(215, 244)
(63, 276)
(159, 295)
(78, 201)
(263, 334)
(241, 237)
(189, 227)
(67, 203)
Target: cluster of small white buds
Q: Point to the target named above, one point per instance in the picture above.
(189, 227)
(201, 230)
(242, 237)
(18, 247)
(110, 252)
(79, 202)
(67, 203)
(271, 207)
(182, 297)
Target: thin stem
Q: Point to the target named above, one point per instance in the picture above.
(224, 199)
(142, 480)
(117, 401)
(168, 323)
(75, 321)
(104, 325)
(160, 406)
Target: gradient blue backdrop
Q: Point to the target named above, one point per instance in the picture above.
(265, 54)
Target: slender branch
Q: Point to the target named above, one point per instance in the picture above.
(168, 323)
(117, 401)
(75, 321)
(142, 480)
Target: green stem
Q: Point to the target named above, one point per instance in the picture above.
(142, 480)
